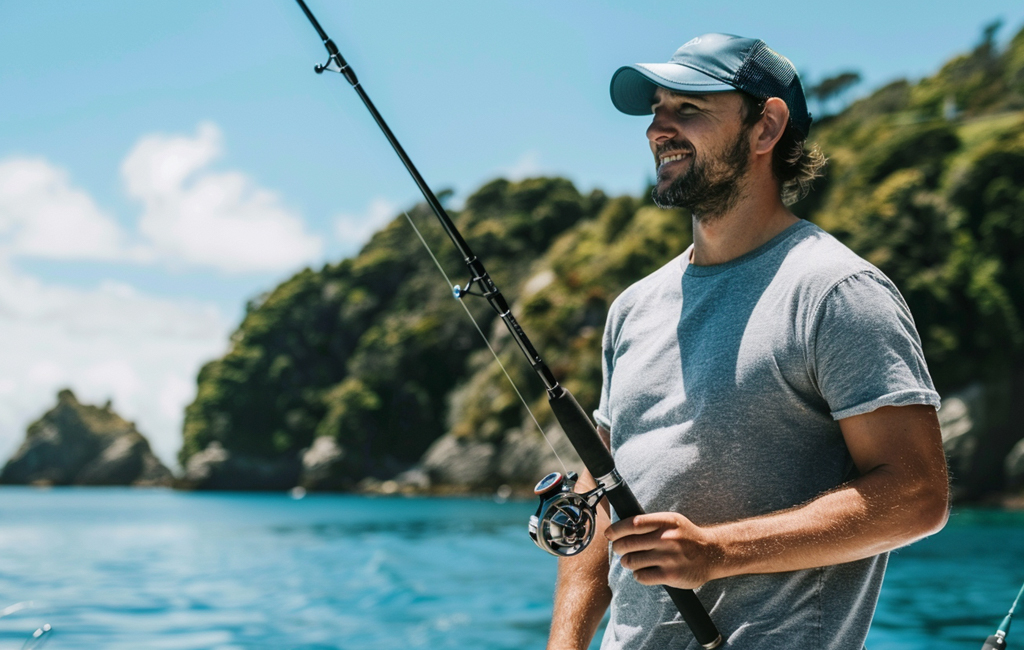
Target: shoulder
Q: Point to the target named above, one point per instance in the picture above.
(822, 259)
(845, 295)
(818, 263)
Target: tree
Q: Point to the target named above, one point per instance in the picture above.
(833, 87)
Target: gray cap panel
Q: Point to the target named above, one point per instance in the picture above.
(633, 86)
(714, 63)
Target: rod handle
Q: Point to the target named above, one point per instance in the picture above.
(588, 444)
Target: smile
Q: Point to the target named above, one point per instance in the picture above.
(671, 158)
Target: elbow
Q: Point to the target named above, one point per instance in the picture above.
(931, 508)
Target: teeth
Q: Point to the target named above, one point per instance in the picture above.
(672, 158)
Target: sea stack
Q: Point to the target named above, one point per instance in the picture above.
(79, 444)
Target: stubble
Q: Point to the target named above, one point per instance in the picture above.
(710, 187)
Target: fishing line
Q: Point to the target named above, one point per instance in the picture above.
(1016, 600)
(575, 422)
(489, 347)
(16, 607)
(998, 640)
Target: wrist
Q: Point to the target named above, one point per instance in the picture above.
(726, 561)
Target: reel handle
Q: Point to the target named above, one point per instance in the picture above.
(584, 437)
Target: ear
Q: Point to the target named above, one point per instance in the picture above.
(771, 126)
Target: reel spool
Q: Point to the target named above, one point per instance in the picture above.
(565, 521)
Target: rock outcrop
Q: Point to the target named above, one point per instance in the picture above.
(79, 444)
(216, 468)
(983, 446)
(962, 418)
(518, 459)
(327, 466)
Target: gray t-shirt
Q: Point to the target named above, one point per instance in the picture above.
(722, 390)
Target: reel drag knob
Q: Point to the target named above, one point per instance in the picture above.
(565, 521)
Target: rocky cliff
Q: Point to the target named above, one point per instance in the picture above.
(79, 444)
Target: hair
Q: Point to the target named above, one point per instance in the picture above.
(794, 166)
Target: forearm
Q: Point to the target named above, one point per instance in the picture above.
(872, 514)
(582, 595)
(901, 495)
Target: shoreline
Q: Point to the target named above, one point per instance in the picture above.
(1008, 502)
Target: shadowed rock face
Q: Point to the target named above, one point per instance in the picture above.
(78, 444)
(327, 466)
(216, 468)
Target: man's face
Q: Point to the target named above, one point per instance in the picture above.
(701, 151)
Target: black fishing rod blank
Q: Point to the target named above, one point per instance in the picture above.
(570, 415)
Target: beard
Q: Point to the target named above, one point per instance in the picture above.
(709, 188)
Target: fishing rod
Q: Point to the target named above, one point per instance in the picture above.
(39, 637)
(998, 640)
(565, 521)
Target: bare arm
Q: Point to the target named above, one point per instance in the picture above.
(582, 594)
(901, 495)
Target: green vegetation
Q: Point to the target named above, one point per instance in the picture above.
(926, 180)
(368, 349)
(832, 88)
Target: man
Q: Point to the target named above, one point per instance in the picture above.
(765, 394)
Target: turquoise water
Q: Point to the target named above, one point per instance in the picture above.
(114, 568)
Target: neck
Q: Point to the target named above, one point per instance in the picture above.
(755, 217)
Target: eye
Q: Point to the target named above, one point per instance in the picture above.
(687, 109)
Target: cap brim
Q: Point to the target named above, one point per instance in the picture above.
(633, 86)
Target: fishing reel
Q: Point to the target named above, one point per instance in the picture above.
(565, 520)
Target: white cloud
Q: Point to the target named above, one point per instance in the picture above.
(191, 216)
(175, 394)
(527, 166)
(220, 219)
(111, 342)
(354, 230)
(113, 377)
(45, 373)
(43, 215)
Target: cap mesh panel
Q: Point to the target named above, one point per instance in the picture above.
(765, 73)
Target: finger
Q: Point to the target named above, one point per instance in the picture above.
(633, 526)
(651, 576)
(643, 560)
(634, 543)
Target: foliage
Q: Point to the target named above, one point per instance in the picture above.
(833, 87)
(367, 350)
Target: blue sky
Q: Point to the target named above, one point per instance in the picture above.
(163, 162)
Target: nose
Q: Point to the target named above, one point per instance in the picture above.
(662, 128)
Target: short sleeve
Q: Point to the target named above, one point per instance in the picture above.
(865, 350)
(602, 415)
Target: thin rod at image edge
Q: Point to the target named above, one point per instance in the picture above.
(570, 415)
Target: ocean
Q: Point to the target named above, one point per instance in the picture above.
(149, 569)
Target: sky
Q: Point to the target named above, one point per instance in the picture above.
(164, 162)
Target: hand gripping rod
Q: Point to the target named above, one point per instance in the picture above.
(570, 415)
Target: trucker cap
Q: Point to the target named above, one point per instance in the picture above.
(714, 63)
